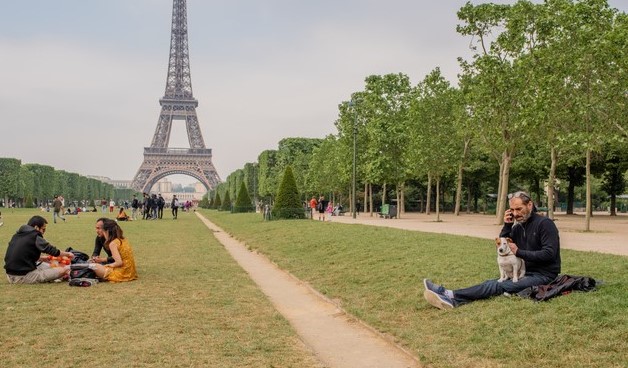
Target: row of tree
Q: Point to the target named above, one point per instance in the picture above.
(541, 103)
(34, 185)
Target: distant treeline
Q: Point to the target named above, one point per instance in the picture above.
(34, 185)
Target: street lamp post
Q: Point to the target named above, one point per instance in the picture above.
(355, 133)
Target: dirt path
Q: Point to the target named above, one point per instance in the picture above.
(608, 234)
(336, 339)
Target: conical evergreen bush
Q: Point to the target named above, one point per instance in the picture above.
(226, 203)
(287, 203)
(217, 201)
(243, 201)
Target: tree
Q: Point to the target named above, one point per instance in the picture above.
(387, 99)
(226, 203)
(217, 201)
(288, 204)
(9, 176)
(497, 82)
(204, 203)
(613, 182)
(432, 112)
(243, 201)
(268, 173)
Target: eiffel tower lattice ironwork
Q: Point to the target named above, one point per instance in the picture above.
(177, 104)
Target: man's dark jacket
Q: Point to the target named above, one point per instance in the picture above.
(538, 243)
(24, 251)
(99, 245)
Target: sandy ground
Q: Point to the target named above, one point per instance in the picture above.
(608, 234)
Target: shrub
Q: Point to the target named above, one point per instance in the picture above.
(243, 201)
(217, 201)
(287, 204)
(204, 203)
(226, 203)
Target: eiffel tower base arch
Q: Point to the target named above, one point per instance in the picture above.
(161, 162)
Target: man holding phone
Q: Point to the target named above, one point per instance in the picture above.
(532, 237)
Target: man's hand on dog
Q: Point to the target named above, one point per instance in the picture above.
(513, 247)
(511, 244)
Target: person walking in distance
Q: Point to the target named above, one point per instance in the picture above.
(313, 204)
(135, 205)
(56, 211)
(174, 205)
(161, 203)
(322, 207)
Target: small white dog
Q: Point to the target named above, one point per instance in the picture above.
(510, 266)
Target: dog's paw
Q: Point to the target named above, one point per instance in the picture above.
(501, 280)
(515, 280)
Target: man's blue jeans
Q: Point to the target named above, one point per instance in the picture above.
(55, 215)
(491, 288)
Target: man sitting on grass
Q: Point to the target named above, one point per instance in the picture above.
(23, 262)
(534, 239)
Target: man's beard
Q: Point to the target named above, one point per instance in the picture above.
(525, 217)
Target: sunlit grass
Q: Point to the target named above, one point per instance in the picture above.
(375, 274)
(192, 306)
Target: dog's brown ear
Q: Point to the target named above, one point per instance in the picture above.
(497, 241)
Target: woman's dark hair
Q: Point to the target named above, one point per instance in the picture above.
(113, 229)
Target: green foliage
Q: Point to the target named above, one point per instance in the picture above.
(226, 202)
(9, 177)
(268, 173)
(211, 200)
(204, 203)
(243, 201)
(217, 201)
(288, 204)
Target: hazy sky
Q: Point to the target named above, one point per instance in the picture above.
(81, 79)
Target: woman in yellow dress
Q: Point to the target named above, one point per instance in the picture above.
(123, 267)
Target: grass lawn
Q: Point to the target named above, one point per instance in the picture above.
(375, 274)
(192, 306)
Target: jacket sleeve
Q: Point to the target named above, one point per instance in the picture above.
(98, 243)
(45, 247)
(506, 231)
(547, 251)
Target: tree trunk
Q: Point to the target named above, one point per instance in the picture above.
(613, 204)
(571, 190)
(469, 199)
(384, 194)
(428, 200)
(398, 192)
(588, 207)
(402, 198)
(551, 184)
(459, 180)
(366, 192)
(371, 199)
(438, 199)
(499, 211)
(498, 200)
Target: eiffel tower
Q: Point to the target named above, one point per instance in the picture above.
(177, 104)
